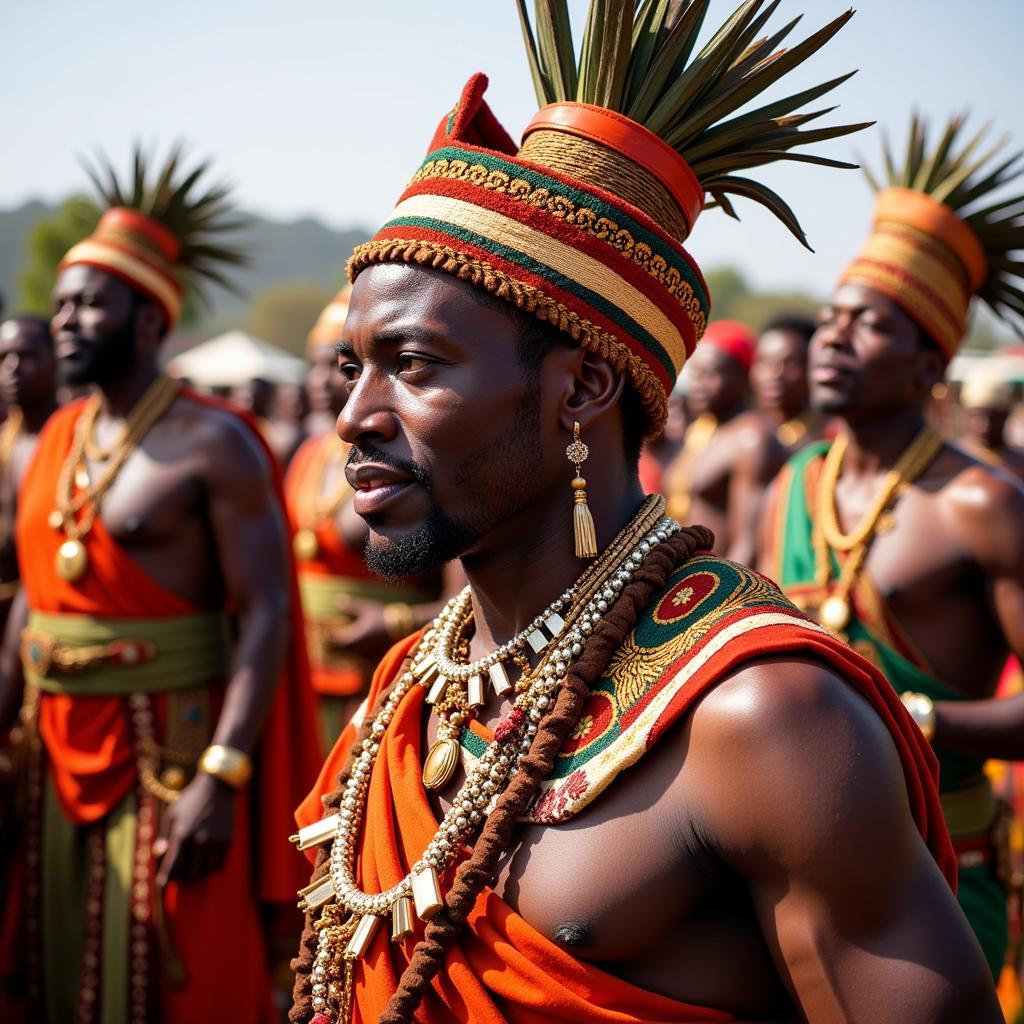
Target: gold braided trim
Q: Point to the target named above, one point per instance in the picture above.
(907, 292)
(577, 266)
(527, 298)
(561, 206)
(96, 252)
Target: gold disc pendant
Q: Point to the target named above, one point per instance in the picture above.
(72, 561)
(441, 762)
(307, 547)
(834, 614)
(56, 520)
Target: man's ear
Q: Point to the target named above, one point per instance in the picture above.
(593, 386)
(150, 323)
(931, 368)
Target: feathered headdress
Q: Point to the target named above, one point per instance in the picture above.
(940, 236)
(160, 233)
(583, 224)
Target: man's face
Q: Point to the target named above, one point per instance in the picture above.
(93, 325)
(255, 396)
(718, 384)
(867, 357)
(27, 363)
(446, 426)
(779, 373)
(987, 425)
(325, 384)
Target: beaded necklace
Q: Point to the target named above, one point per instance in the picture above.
(348, 924)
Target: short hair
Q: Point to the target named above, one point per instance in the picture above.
(793, 323)
(36, 321)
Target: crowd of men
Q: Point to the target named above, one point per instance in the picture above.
(597, 695)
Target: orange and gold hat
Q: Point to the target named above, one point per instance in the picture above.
(582, 222)
(327, 329)
(158, 236)
(937, 239)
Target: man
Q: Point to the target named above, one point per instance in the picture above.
(729, 454)
(147, 847)
(351, 615)
(28, 386)
(778, 379)
(988, 401)
(759, 859)
(903, 544)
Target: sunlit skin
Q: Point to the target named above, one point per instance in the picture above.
(761, 856)
(190, 505)
(728, 480)
(951, 569)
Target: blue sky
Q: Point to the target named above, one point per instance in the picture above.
(324, 108)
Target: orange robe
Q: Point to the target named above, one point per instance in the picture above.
(214, 923)
(711, 617)
(334, 558)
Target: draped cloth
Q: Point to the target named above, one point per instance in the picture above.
(711, 617)
(88, 743)
(875, 632)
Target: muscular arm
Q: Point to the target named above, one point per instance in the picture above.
(989, 510)
(249, 534)
(804, 798)
(758, 458)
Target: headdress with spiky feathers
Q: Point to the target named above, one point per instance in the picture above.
(582, 224)
(941, 234)
(161, 233)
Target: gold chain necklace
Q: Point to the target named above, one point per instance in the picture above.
(834, 612)
(72, 561)
(314, 510)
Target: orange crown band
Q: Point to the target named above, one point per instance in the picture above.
(121, 220)
(632, 140)
(327, 329)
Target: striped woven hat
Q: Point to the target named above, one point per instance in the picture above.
(583, 224)
(159, 236)
(938, 239)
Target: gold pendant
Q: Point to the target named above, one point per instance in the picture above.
(441, 762)
(72, 561)
(55, 519)
(307, 547)
(82, 480)
(834, 614)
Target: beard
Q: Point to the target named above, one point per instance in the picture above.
(104, 359)
(503, 478)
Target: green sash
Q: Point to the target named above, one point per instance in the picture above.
(172, 653)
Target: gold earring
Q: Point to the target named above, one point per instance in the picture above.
(582, 520)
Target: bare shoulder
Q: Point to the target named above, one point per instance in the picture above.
(792, 760)
(227, 446)
(985, 505)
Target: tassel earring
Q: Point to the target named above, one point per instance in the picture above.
(582, 520)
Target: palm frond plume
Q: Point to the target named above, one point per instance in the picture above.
(198, 215)
(963, 171)
(641, 59)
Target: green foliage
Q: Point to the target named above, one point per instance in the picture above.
(45, 247)
(284, 313)
(734, 299)
(636, 59)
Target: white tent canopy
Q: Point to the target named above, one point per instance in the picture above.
(234, 358)
(1006, 364)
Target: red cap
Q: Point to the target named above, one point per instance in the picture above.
(734, 339)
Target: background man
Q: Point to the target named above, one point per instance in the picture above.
(28, 387)
(730, 453)
(148, 851)
(900, 542)
(778, 379)
(988, 402)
